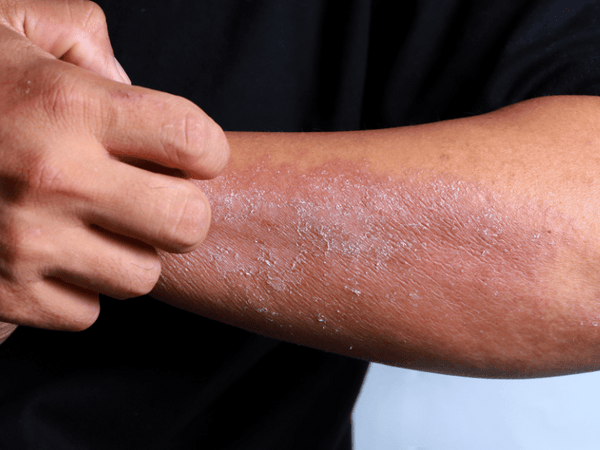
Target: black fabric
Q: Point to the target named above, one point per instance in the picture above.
(149, 376)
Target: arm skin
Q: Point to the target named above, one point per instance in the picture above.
(466, 247)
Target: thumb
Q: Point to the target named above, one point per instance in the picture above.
(72, 30)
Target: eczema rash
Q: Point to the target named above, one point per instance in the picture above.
(426, 260)
(467, 246)
(352, 221)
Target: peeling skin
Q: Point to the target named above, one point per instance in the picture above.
(444, 257)
(421, 269)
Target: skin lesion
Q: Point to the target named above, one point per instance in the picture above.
(466, 247)
(383, 268)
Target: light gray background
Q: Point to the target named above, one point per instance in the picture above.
(401, 409)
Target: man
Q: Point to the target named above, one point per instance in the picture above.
(465, 245)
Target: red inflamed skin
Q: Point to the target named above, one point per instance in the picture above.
(465, 247)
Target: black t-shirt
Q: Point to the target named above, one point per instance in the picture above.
(148, 376)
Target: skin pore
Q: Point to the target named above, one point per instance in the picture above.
(466, 247)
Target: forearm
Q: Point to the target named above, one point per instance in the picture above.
(462, 247)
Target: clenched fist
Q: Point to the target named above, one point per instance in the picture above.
(88, 165)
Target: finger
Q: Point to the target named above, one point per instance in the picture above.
(162, 211)
(108, 264)
(53, 304)
(6, 329)
(163, 129)
(72, 30)
(64, 306)
(130, 121)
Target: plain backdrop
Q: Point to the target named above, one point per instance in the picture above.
(402, 409)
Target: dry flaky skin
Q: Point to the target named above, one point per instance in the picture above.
(466, 247)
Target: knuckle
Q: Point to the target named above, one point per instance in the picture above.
(180, 138)
(52, 179)
(48, 303)
(143, 281)
(86, 15)
(40, 171)
(49, 103)
(59, 94)
(12, 14)
(195, 143)
(185, 220)
(139, 277)
(14, 252)
(93, 16)
(45, 175)
(21, 254)
(16, 304)
(40, 96)
(192, 128)
(85, 318)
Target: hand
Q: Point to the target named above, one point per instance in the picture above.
(76, 219)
